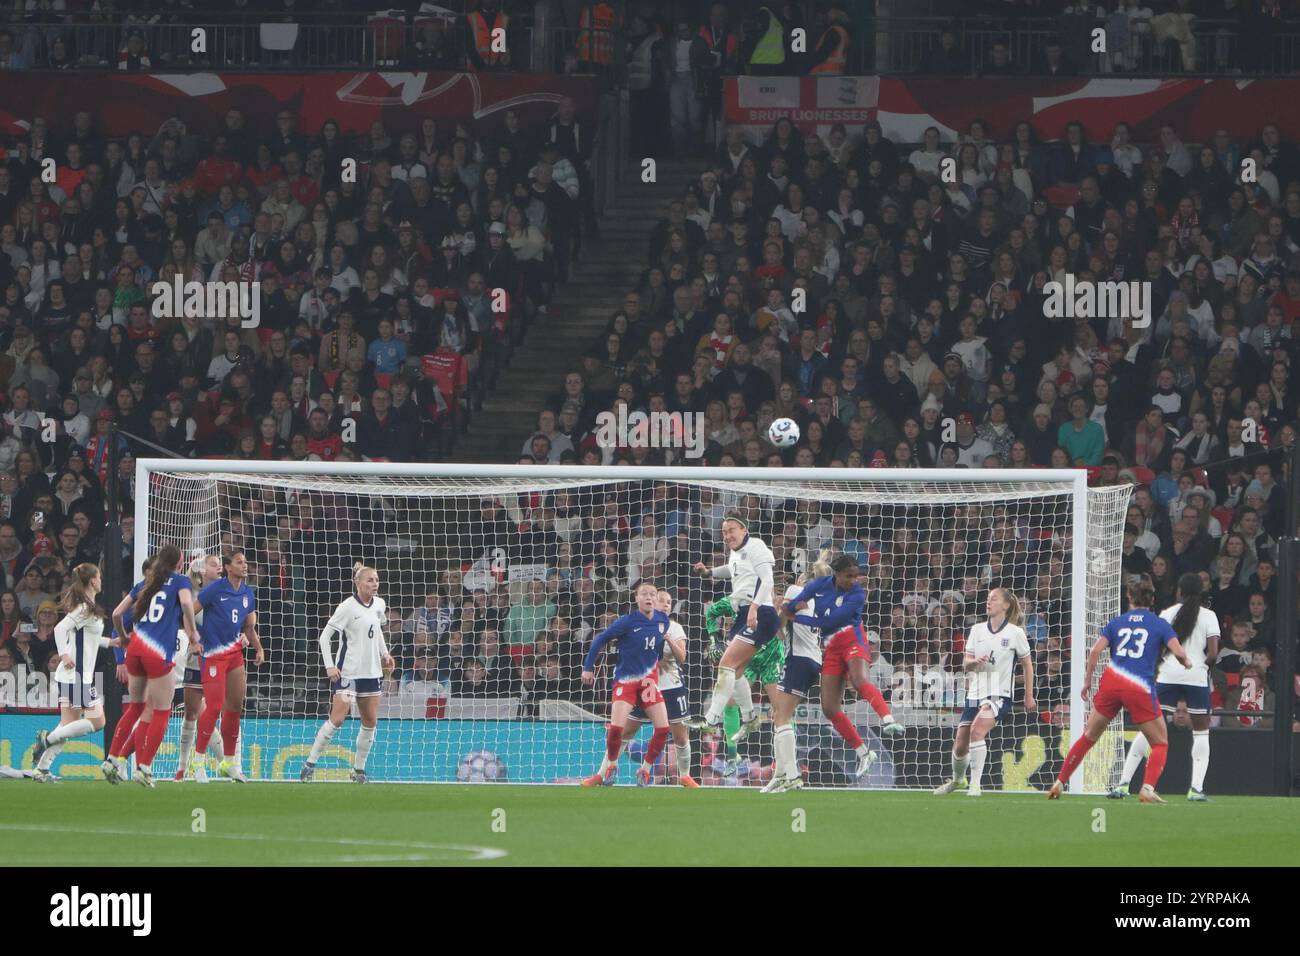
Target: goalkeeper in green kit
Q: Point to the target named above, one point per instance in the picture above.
(741, 717)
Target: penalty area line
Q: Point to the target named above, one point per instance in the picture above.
(474, 853)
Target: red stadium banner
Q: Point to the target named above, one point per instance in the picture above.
(905, 106)
(124, 102)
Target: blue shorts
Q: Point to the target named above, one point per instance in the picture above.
(1198, 698)
(84, 696)
(800, 674)
(356, 686)
(999, 705)
(674, 700)
(768, 625)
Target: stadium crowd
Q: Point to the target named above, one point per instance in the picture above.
(924, 342)
(377, 337)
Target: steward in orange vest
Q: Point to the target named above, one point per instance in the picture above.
(832, 54)
(480, 25)
(596, 28)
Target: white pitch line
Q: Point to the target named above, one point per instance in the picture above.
(478, 852)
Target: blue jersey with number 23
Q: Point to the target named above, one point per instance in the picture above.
(1136, 641)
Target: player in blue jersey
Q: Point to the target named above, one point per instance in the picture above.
(123, 742)
(229, 618)
(838, 600)
(1136, 640)
(163, 605)
(640, 635)
(203, 570)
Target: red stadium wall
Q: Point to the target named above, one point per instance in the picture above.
(121, 102)
(906, 106)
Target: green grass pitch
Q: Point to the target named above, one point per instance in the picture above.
(91, 823)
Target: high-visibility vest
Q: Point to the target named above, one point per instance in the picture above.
(640, 65)
(596, 39)
(482, 31)
(770, 50)
(839, 58)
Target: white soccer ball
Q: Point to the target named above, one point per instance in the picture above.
(783, 433)
(481, 766)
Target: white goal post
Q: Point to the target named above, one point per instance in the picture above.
(501, 574)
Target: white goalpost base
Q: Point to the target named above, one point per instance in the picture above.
(532, 560)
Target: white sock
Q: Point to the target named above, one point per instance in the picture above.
(783, 743)
(959, 766)
(78, 728)
(365, 737)
(743, 695)
(1200, 757)
(323, 737)
(722, 691)
(862, 750)
(1137, 752)
(977, 754)
(189, 730)
(683, 752)
(887, 719)
(47, 758)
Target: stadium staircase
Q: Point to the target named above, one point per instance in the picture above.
(579, 312)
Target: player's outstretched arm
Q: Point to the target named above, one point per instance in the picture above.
(186, 597)
(119, 618)
(1100, 644)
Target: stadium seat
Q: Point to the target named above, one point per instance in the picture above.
(278, 37)
(387, 32)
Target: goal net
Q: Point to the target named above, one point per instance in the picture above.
(497, 578)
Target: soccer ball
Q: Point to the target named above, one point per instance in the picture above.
(481, 766)
(783, 433)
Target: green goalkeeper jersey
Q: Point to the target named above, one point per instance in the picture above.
(766, 665)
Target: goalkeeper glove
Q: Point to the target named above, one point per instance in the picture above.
(716, 650)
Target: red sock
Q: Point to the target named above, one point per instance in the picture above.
(1074, 758)
(1155, 765)
(656, 747)
(613, 742)
(138, 737)
(844, 727)
(872, 695)
(154, 739)
(214, 696)
(122, 732)
(229, 731)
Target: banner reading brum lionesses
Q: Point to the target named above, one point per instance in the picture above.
(906, 106)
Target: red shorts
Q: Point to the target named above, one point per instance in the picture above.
(644, 692)
(1115, 692)
(141, 661)
(216, 667)
(842, 648)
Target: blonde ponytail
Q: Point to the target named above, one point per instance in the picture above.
(358, 568)
(820, 567)
(1015, 613)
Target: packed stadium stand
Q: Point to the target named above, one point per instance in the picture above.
(796, 251)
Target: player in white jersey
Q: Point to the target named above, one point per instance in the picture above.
(1198, 631)
(203, 571)
(673, 690)
(750, 567)
(992, 649)
(78, 638)
(355, 668)
(802, 667)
